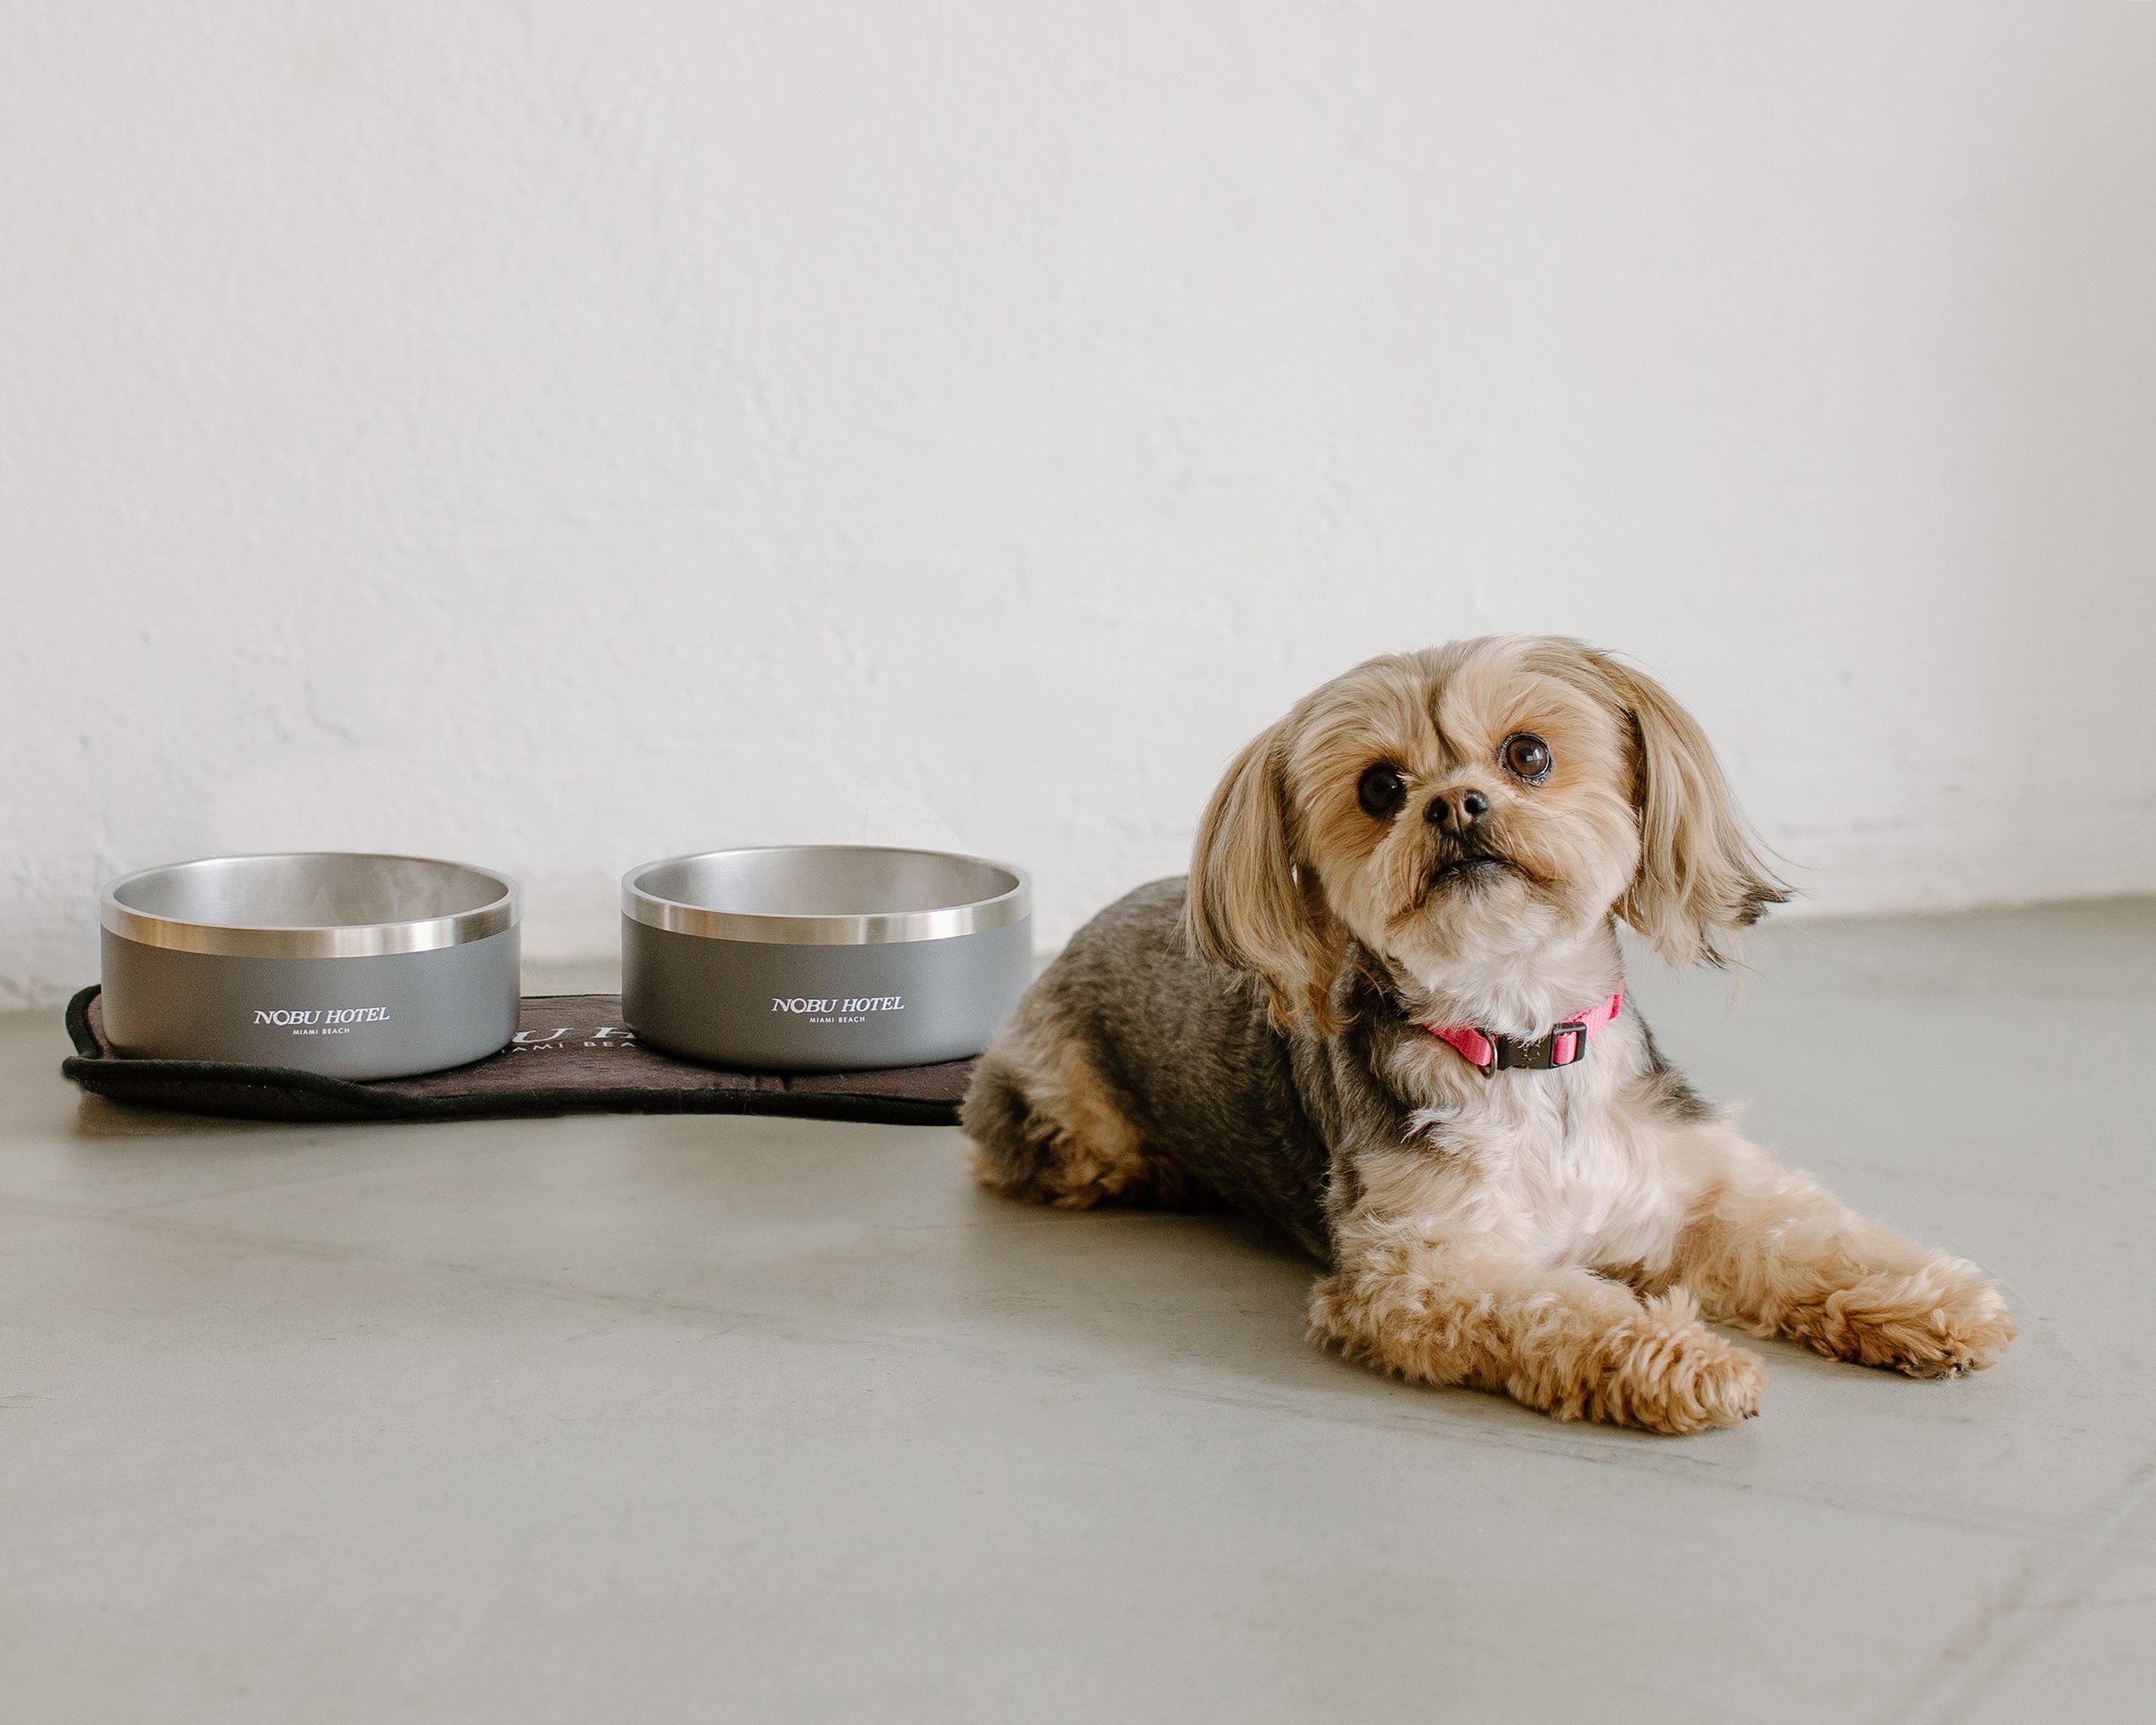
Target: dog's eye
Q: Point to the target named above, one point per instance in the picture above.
(1527, 756)
(1381, 791)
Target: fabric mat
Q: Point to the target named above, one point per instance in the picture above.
(571, 1055)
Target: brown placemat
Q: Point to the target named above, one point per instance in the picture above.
(572, 1056)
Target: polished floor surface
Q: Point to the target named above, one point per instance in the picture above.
(694, 1418)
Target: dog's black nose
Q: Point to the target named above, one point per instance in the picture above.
(1458, 813)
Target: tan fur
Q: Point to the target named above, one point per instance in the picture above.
(1250, 906)
(1521, 1265)
(1564, 1341)
(1562, 1237)
(1091, 1153)
(1699, 875)
(1772, 1252)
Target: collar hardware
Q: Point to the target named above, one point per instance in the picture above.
(1564, 1045)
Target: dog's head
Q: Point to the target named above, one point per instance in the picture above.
(1470, 803)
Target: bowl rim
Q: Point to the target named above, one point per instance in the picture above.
(346, 940)
(842, 929)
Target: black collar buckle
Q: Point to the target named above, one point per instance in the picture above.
(1540, 1055)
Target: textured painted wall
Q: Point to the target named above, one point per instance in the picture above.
(561, 434)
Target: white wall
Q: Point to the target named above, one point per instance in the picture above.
(560, 435)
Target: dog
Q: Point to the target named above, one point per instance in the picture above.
(1385, 1013)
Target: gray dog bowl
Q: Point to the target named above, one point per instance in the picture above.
(823, 958)
(355, 966)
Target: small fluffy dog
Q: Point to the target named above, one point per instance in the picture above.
(1386, 1013)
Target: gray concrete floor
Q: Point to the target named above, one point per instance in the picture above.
(659, 1419)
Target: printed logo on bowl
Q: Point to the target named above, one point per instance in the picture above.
(320, 1020)
(837, 1009)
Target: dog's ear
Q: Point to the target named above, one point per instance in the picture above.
(1252, 906)
(1700, 877)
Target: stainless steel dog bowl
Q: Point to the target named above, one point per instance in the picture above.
(823, 958)
(352, 965)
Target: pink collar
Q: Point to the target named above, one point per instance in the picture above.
(1565, 1045)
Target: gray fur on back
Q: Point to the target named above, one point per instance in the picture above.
(1194, 1062)
(1270, 1121)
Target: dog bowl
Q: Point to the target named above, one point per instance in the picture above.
(351, 965)
(823, 958)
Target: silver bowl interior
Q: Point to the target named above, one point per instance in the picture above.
(825, 880)
(318, 903)
(326, 889)
(821, 893)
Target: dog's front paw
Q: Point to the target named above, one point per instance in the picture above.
(1938, 1322)
(1670, 1373)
